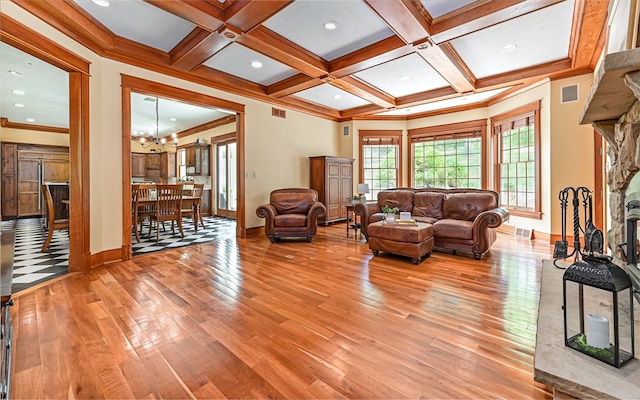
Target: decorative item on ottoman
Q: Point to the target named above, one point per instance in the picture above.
(598, 310)
(411, 240)
(291, 212)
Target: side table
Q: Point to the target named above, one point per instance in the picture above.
(353, 221)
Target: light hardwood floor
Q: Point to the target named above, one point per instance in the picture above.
(249, 319)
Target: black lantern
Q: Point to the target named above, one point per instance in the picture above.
(598, 310)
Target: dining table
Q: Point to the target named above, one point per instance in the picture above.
(146, 202)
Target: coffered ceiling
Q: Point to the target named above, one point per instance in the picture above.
(382, 59)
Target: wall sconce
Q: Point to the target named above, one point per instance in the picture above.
(363, 188)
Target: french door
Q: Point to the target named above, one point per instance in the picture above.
(226, 179)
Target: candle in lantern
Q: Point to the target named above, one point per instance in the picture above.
(597, 331)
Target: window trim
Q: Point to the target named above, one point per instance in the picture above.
(459, 128)
(393, 134)
(531, 110)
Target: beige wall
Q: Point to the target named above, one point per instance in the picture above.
(572, 147)
(33, 137)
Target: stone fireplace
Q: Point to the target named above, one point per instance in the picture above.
(613, 109)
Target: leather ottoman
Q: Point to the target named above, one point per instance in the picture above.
(415, 241)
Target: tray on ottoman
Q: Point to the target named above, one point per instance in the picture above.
(411, 240)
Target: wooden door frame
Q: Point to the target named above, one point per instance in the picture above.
(215, 142)
(23, 38)
(131, 84)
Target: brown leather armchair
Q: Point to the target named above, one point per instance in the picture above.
(292, 212)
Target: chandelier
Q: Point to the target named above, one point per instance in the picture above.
(154, 138)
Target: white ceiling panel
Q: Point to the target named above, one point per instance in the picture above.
(140, 22)
(539, 37)
(454, 102)
(186, 116)
(438, 8)
(332, 97)
(236, 60)
(45, 87)
(302, 22)
(403, 76)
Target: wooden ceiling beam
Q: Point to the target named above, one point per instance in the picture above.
(280, 49)
(361, 111)
(202, 14)
(246, 14)
(474, 18)
(197, 48)
(451, 69)
(292, 85)
(72, 21)
(385, 50)
(590, 23)
(403, 17)
(361, 89)
(301, 104)
(525, 73)
(423, 97)
(408, 21)
(227, 119)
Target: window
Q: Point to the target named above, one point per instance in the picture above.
(380, 160)
(449, 156)
(517, 151)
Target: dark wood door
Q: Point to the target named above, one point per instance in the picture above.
(29, 201)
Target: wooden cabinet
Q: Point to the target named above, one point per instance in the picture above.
(9, 187)
(153, 168)
(24, 168)
(332, 177)
(194, 159)
(205, 204)
(153, 161)
(138, 165)
(167, 165)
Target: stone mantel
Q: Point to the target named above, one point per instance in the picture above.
(612, 93)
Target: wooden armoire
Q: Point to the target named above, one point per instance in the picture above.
(332, 177)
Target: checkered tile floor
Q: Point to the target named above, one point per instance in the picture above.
(31, 267)
(215, 228)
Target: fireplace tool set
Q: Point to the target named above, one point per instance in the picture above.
(593, 237)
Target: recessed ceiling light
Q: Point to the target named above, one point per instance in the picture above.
(407, 110)
(16, 73)
(508, 48)
(337, 97)
(19, 105)
(18, 92)
(102, 3)
(256, 64)
(31, 120)
(172, 119)
(405, 78)
(331, 25)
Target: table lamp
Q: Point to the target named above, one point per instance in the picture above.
(363, 188)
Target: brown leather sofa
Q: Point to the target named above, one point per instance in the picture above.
(292, 212)
(463, 219)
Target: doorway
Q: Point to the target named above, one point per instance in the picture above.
(226, 177)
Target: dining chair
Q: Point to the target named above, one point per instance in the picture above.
(198, 192)
(168, 208)
(50, 215)
(140, 211)
(191, 206)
